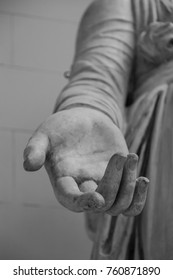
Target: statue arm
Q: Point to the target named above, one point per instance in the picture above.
(102, 63)
(82, 148)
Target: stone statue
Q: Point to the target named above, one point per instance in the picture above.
(111, 125)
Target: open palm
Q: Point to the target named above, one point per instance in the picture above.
(85, 156)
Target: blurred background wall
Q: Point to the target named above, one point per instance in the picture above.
(36, 46)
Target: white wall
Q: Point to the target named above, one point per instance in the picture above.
(36, 46)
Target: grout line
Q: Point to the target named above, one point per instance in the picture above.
(31, 69)
(74, 22)
(12, 29)
(13, 165)
(30, 205)
(16, 129)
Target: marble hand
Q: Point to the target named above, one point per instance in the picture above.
(88, 163)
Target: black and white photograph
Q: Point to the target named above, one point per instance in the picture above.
(86, 130)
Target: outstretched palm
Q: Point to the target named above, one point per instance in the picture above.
(76, 146)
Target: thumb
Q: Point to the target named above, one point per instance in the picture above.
(35, 151)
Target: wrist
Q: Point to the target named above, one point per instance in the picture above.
(69, 100)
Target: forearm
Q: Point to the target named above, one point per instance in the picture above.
(102, 64)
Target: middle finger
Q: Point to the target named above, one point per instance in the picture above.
(127, 186)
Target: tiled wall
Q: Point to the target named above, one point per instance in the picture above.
(37, 40)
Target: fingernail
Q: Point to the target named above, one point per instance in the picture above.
(132, 161)
(143, 180)
(143, 184)
(120, 162)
